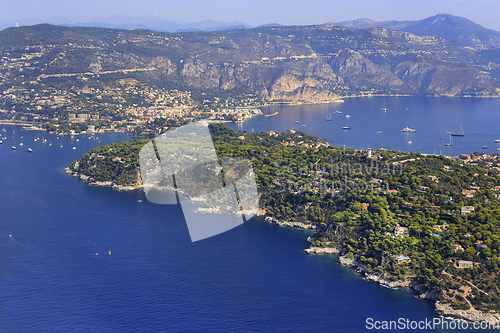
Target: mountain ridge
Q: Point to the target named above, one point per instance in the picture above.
(457, 29)
(279, 64)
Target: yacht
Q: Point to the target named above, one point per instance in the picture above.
(296, 121)
(13, 147)
(451, 141)
(348, 116)
(497, 141)
(30, 150)
(461, 133)
(21, 144)
(338, 111)
(1, 142)
(346, 128)
(408, 130)
(379, 132)
(329, 117)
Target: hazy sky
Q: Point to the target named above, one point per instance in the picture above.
(254, 12)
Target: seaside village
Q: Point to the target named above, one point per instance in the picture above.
(129, 107)
(98, 102)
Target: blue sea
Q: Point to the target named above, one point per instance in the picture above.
(432, 118)
(76, 258)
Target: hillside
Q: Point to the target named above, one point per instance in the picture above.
(402, 219)
(293, 64)
(456, 29)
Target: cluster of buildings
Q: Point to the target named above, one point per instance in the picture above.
(486, 160)
(123, 103)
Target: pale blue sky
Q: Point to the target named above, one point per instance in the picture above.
(254, 12)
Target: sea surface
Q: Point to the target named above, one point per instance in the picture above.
(432, 118)
(76, 258)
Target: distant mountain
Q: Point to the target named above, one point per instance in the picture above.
(158, 24)
(146, 22)
(290, 64)
(453, 28)
(361, 23)
(271, 25)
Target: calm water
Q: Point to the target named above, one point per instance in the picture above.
(432, 118)
(56, 274)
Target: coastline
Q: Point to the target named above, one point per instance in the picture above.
(443, 310)
(92, 182)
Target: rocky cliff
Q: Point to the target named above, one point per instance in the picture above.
(298, 64)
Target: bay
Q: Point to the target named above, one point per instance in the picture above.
(432, 118)
(56, 233)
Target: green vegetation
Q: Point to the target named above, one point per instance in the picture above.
(400, 215)
(117, 163)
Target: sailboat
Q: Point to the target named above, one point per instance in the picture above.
(485, 146)
(461, 133)
(329, 117)
(451, 141)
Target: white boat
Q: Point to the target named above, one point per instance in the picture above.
(408, 130)
(13, 147)
(451, 142)
(30, 150)
(461, 133)
(409, 142)
(347, 116)
(383, 109)
(497, 141)
(379, 132)
(337, 111)
(346, 128)
(485, 146)
(74, 147)
(1, 142)
(21, 144)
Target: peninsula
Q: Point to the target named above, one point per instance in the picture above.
(405, 220)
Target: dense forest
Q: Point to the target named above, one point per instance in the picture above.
(403, 216)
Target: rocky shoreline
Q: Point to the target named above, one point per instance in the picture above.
(443, 310)
(93, 182)
(297, 225)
